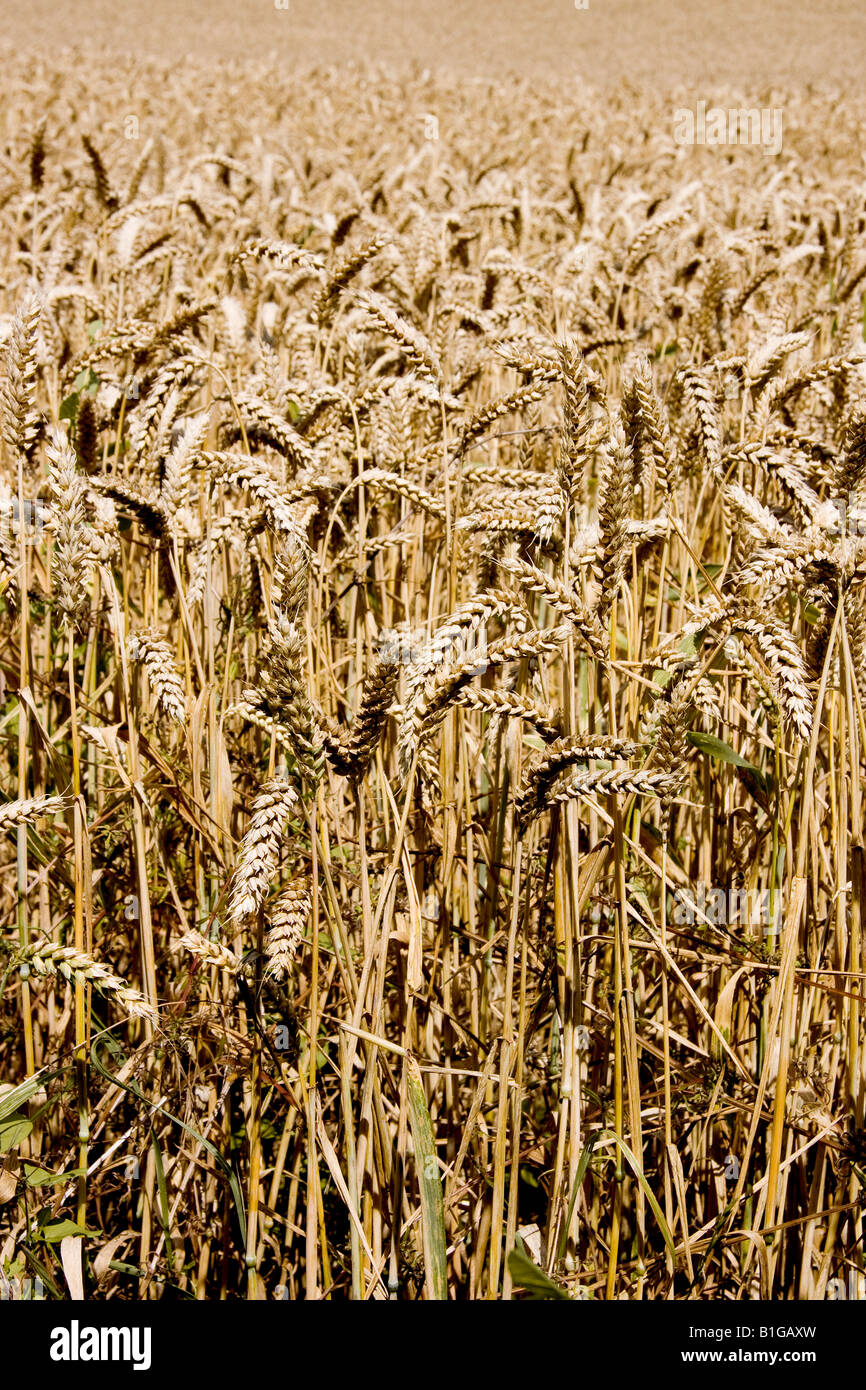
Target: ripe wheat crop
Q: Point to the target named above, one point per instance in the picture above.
(431, 620)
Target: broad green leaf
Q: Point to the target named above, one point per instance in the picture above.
(88, 381)
(757, 785)
(755, 780)
(13, 1131)
(17, 1096)
(39, 1177)
(69, 407)
(59, 1230)
(526, 1275)
(715, 748)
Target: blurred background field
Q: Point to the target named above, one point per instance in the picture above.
(770, 43)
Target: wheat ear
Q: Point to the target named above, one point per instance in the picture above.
(260, 849)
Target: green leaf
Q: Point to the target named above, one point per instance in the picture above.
(13, 1131)
(40, 1177)
(94, 328)
(432, 1204)
(161, 1185)
(754, 779)
(648, 1193)
(582, 1167)
(526, 1275)
(69, 408)
(757, 785)
(38, 1268)
(715, 748)
(59, 1230)
(88, 381)
(707, 573)
(689, 645)
(16, 1096)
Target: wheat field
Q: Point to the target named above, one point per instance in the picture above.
(433, 661)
